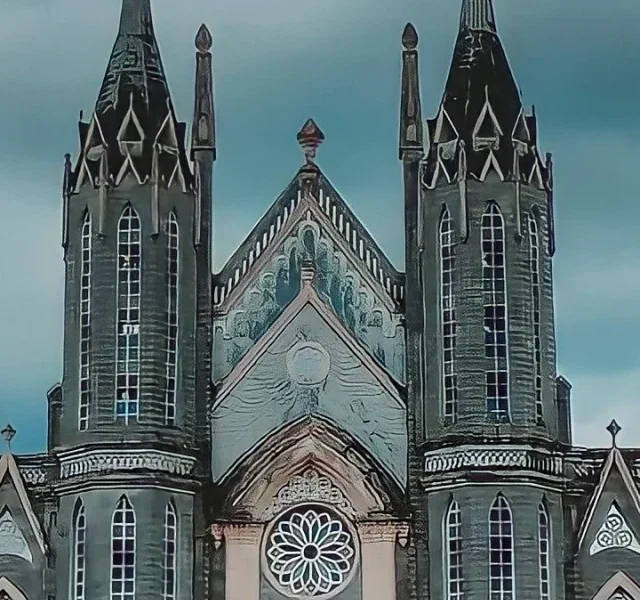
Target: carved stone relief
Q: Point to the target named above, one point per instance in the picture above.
(309, 370)
(614, 533)
(12, 540)
(336, 283)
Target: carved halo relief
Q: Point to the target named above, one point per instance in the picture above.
(308, 363)
(339, 287)
(12, 540)
(614, 533)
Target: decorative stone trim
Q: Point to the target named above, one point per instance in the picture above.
(383, 531)
(107, 461)
(614, 533)
(237, 533)
(310, 486)
(474, 457)
(33, 475)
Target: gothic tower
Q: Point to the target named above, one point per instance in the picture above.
(137, 228)
(480, 325)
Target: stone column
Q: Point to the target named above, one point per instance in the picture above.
(378, 549)
(242, 561)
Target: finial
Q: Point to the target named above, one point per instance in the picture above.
(614, 429)
(204, 41)
(309, 138)
(7, 433)
(409, 37)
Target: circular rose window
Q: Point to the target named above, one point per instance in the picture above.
(310, 552)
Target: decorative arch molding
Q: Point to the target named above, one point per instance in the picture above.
(619, 587)
(310, 460)
(11, 590)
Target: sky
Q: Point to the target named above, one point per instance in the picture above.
(277, 63)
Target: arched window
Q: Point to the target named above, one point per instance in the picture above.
(544, 540)
(448, 319)
(171, 320)
(84, 393)
(128, 328)
(453, 552)
(123, 551)
(501, 559)
(534, 267)
(79, 552)
(495, 313)
(169, 552)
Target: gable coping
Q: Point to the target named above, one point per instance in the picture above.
(8, 466)
(617, 581)
(307, 296)
(615, 458)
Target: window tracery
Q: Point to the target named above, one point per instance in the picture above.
(453, 550)
(169, 552)
(79, 548)
(448, 319)
(544, 539)
(495, 313)
(85, 325)
(128, 320)
(534, 250)
(501, 559)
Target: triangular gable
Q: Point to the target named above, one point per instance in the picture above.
(307, 296)
(340, 222)
(615, 459)
(11, 590)
(9, 468)
(619, 587)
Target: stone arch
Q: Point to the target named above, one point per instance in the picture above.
(619, 587)
(10, 590)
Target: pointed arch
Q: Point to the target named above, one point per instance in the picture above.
(501, 551)
(448, 318)
(620, 584)
(123, 551)
(169, 550)
(544, 550)
(495, 313)
(79, 528)
(128, 322)
(11, 590)
(84, 379)
(453, 552)
(534, 272)
(171, 358)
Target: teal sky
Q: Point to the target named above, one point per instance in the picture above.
(278, 63)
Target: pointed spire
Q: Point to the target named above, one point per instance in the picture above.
(411, 144)
(478, 15)
(203, 132)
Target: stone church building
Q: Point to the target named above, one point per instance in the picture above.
(311, 422)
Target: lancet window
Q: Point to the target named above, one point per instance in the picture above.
(84, 393)
(544, 539)
(123, 551)
(128, 320)
(495, 313)
(448, 318)
(501, 551)
(171, 319)
(453, 552)
(79, 553)
(169, 552)
(534, 251)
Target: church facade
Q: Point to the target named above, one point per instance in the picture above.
(311, 422)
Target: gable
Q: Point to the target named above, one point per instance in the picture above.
(344, 286)
(308, 367)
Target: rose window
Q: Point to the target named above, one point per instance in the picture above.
(310, 553)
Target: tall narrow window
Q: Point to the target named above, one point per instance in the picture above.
(495, 313)
(534, 248)
(84, 394)
(169, 552)
(172, 320)
(448, 319)
(544, 539)
(501, 563)
(79, 552)
(128, 328)
(453, 549)
(123, 551)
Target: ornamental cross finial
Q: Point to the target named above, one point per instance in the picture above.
(614, 429)
(309, 138)
(7, 433)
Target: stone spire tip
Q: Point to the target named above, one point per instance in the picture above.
(204, 41)
(614, 429)
(309, 138)
(478, 15)
(409, 37)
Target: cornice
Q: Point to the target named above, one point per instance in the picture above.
(372, 532)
